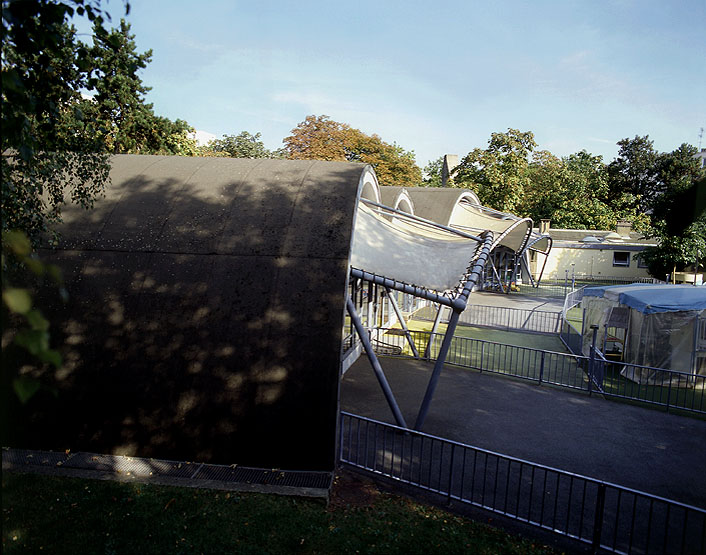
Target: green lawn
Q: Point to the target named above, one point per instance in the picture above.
(675, 397)
(575, 317)
(69, 515)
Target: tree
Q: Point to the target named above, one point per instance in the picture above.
(50, 156)
(499, 174)
(679, 219)
(432, 173)
(556, 184)
(50, 153)
(393, 164)
(677, 206)
(317, 138)
(635, 172)
(126, 122)
(243, 145)
(320, 138)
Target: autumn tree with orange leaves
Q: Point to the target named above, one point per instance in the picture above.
(320, 138)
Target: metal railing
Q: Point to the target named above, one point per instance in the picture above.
(655, 386)
(488, 356)
(499, 317)
(571, 337)
(538, 321)
(572, 299)
(672, 389)
(603, 515)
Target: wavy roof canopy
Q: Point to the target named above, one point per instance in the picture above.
(409, 252)
(397, 198)
(461, 209)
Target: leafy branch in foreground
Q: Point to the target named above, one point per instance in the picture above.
(30, 327)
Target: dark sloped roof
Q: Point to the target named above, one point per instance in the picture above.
(207, 302)
(576, 235)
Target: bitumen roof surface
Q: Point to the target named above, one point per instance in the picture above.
(207, 298)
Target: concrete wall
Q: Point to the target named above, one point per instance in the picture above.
(207, 299)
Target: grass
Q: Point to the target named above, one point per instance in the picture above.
(657, 396)
(575, 317)
(69, 515)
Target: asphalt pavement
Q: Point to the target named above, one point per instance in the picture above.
(632, 446)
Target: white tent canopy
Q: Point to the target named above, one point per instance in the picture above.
(410, 252)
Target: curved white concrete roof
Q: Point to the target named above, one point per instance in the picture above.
(460, 208)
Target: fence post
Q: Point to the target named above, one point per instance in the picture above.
(669, 390)
(598, 518)
(541, 368)
(482, 355)
(451, 472)
(592, 358)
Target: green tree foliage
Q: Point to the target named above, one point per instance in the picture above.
(636, 172)
(50, 151)
(679, 217)
(499, 173)
(320, 138)
(243, 145)
(555, 184)
(127, 123)
(29, 329)
(433, 173)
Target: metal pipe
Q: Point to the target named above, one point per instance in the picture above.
(437, 320)
(375, 363)
(436, 225)
(434, 379)
(393, 302)
(401, 286)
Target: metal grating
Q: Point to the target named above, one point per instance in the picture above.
(24, 457)
(141, 467)
(290, 478)
(131, 465)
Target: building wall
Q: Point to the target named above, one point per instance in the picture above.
(207, 298)
(588, 261)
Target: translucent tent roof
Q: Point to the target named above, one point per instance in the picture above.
(414, 251)
(403, 251)
(652, 298)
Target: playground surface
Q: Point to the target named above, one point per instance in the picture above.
(516, 300)
(636, 447)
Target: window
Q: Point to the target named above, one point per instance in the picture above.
(621, 258)
(641, 263)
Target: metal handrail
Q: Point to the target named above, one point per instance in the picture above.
(451, 468)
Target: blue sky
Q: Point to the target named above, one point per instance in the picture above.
(435, 77)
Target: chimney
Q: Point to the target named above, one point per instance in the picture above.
(623, 228)
(544, 226)
(450, 163)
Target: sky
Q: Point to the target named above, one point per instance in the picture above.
(434, 77)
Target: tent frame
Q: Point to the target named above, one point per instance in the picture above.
(456, 299)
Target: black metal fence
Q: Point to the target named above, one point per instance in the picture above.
(500, 317)
(674, 390)
(655, 386)
(488, 356)
(604, 515)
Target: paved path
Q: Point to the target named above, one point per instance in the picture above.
(632, 446)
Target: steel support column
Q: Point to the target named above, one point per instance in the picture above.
(375, 363)
(396, 308)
